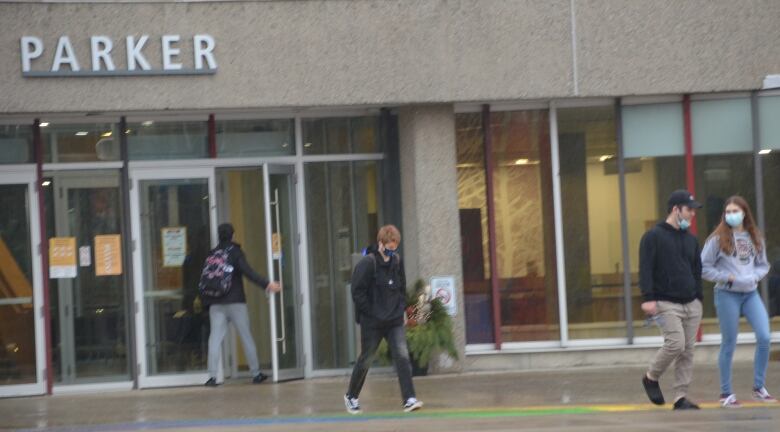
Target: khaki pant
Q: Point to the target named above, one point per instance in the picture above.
(679, 324)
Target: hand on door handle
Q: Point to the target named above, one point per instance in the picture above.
(273, 287)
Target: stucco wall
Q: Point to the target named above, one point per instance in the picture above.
(340, 52)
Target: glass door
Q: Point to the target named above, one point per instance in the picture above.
(22, 360)
(285, 307)
(173, 219)
(88, 298)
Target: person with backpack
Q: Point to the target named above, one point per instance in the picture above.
(379, 292)
(222, 292)
(734, 257)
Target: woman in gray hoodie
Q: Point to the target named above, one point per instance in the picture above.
(734, 257)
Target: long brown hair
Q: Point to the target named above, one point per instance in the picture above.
(724, 231)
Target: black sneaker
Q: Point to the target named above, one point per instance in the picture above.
(257, 379)
(212, 382)
(685, 404)
(653, 390)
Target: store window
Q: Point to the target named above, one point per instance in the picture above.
(769, 133)
(341, 135)
(95, 142)
(590, 201)
(151, 140)
(17, 314)
(525, 241)
(343, 212)
(247, 138)
(472, 206)
(15, 144)
(654, 152)
(723, 160)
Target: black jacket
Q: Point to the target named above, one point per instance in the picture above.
(380, 297)
(669, 265)
(237, 259)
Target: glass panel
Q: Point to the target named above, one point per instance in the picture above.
(282, 200)
(342, 220)
(88, 312)
(177, 211)
(769, 127)
(242, 199)
(721, 126)
(15, 144)
(717, 178)
(175, 140)
(17, 332)
(341, 135)
(649, 182)
(80, 142)
(591, 223)
(654, 166)
(523, 187)
(771, 169)
(472, 205)
(653, 130)
(238, 138)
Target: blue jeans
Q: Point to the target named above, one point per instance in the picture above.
(729, 306)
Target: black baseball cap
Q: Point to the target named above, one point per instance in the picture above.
(682, 197)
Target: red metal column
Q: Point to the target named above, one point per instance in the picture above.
(491, 217)
(44, 248)
(212, 131)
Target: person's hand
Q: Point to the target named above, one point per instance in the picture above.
(650, 307)
(273, 287)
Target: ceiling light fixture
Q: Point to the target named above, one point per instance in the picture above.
(765, 151)
(44, 124)
(521, 162)
(82, 133)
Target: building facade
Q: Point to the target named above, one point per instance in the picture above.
(523, 148)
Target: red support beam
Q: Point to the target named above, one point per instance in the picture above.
(491, 217)
(212, 131)
(690, 177)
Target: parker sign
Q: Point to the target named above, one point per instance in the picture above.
(67, 62)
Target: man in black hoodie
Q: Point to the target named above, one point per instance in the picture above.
(232, 308)
(379, 293)
(670, 280)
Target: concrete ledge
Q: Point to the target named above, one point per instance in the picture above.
(569, 358)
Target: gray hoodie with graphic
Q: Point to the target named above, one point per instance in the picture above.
(746, 264)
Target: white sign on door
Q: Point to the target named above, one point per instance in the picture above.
(174, 245)
(443, 288)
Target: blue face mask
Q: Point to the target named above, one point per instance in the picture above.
(734, 219)
(684, 223)
(389, 252)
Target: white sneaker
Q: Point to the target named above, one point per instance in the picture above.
(412, 404)
(729, 401)
(762, 395)
(352, 404)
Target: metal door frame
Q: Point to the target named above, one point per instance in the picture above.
(137, 174)
(26, 175)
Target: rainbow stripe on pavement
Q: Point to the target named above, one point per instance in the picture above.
(476, 413)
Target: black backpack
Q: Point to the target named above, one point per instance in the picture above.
(217, 275)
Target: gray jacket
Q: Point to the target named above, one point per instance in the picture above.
(746, 264)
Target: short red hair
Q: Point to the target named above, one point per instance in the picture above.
(387, 234)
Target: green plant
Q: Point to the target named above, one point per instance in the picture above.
(428, 328)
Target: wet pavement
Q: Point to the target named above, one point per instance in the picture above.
(587, 399)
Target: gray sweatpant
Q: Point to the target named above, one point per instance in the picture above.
(220, 315)
(679, 324)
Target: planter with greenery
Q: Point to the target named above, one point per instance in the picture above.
(428, 329)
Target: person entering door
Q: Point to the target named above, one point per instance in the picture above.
(231, 307)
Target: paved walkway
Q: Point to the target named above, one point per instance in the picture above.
(598, 399)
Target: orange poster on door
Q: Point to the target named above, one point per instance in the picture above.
(62, 257)
(108, 255)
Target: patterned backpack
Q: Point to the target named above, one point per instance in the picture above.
(217, 276)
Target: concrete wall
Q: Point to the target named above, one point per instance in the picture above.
(339, 52)
(431, 234)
